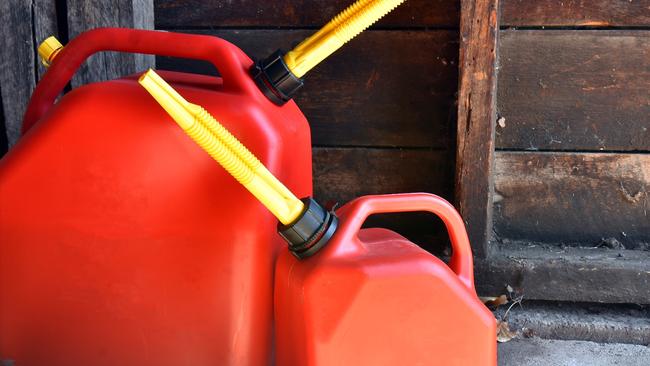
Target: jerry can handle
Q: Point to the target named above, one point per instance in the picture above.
(232, 63)
(356, 212)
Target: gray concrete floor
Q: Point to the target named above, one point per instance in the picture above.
(544, 352)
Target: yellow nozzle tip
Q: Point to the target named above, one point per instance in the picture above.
(151, 81)
(150, 77)
(168, 98)
(144, 76)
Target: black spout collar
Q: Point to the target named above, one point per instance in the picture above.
(275, 80)
(311, 231)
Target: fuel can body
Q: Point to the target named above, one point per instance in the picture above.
(371, 297)
(121, 241)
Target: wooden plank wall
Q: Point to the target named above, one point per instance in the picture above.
(382, 109)
(572, 163)
(27, 23)
(23, 23)
(87, 14)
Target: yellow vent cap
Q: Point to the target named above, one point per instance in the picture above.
(49, 49)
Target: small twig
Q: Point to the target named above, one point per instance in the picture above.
(515, 302)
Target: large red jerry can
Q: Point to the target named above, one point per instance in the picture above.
(371, 297)
(121, 242)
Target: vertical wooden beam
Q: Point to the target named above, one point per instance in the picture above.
(477, 118)
(23, 24)
(87, 14)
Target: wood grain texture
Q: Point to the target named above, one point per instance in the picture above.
(4, 144)
(573, 198)
(23, 22)
(595, 13)
(570, 274)
(87, 14)
(294, 13)
(45, 25)
(342, 174)
(574, 90)
(476, 118)
(367, 94)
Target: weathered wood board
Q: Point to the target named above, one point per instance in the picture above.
(342, 174)
(29, 22)
(476, 118)
(573, 198)
(364, 95)
(45, 21)
(591, 13)
(4, 144)
(574, 90)
(294, 13)
(84, 15)
(24, 22)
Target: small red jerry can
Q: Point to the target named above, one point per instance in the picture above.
(120, 243)
(371, 297)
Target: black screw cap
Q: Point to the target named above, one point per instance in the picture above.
(311, 231)
(275, 80)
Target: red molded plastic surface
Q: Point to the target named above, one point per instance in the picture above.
(121, 241)
(371, 297)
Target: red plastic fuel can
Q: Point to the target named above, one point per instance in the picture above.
(121, 241)
(371, 297)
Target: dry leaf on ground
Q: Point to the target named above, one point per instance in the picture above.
(504, 334)
(494, 302)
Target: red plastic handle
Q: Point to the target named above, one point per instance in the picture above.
(354, 214)
(231, 62)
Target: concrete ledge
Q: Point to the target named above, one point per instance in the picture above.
(542, 352)
(587, 322)
(566, 274)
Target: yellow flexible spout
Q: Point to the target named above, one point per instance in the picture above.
(335, 22)
(345, 26)
(223, 147)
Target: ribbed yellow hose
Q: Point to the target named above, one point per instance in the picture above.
(223, 147)
(335, 22)
(345, 26)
